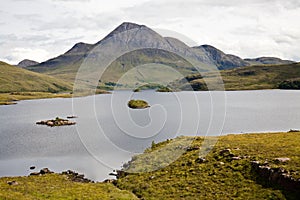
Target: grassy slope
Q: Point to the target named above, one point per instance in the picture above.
(263, 77)
(252, 77)
(67, 67)
(187, 179)
(244, 78)
(18, 84)
(54, 186)
(183, 179)
(20, 80)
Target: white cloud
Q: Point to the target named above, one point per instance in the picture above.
(18, 54)
(248, 28)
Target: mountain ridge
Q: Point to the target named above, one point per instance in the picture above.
(66, 65)
(27, 63)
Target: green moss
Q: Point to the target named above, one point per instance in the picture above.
(138, 104)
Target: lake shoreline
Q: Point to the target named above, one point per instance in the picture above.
(230, 151)
(8, 99)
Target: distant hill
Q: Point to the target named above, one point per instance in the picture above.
(16, 79)
(246, 78)
(267, 61)
(228, 61)
(222, 60)
(27, 63)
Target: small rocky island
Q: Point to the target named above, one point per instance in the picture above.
(138, 104)
(56, 122)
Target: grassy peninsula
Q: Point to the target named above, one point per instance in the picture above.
(227, 172)
(218, 175)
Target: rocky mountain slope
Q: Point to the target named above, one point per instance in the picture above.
(151, 48)
(27, 63)
(222, 60)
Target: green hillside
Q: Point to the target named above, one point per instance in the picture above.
(15, 79)
(17, 83)
(56, 186)
(66, 66)
(225, 173)
(248, 78)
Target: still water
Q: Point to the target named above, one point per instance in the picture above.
(108, 133)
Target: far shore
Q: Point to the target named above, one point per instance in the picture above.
(13, 97)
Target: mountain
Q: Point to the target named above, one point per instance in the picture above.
(160, 50)
(149, 48)
(65, 65)
(27, 63)
(228, 61)
(267, 61)
(16, 79)
(222, 60)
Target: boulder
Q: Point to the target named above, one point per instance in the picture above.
(109, 181)
(200, 160)
(45, 171)
(225, 152)
(72, 117)
(12, 183)
(236, 158)
(282, 160)
(74, 176)
(34, 174)
(50, 123)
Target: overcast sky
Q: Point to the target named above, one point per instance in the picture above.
(42, 29)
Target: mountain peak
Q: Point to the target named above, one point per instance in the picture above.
(79, 48)
(125, 26)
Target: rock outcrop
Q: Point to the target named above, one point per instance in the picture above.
(56, 122)
(277, 176)
(41, 172)
(76, 177)
(27, 63)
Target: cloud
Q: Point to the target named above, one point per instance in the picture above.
(18, 54)
(72, 0)
(245, 28)
(249, 28)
